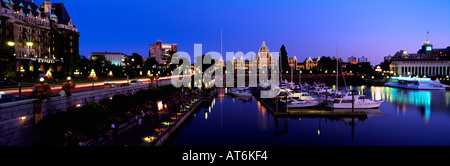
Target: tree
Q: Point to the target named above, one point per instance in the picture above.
(284, 59)
(385, 65)
(136, 60)
(327, 64)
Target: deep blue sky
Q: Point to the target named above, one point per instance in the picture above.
(370, 28)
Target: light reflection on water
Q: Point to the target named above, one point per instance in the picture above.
(407, 117)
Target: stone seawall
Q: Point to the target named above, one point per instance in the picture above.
(18, 118)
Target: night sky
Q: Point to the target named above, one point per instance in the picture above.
(370, 28)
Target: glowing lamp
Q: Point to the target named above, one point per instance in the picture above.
(11, 44)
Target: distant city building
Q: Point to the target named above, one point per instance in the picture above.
(116, 58)
(352, 59)
(426, 62)
(362, 60)
(340, 59)
(39, 38)
(162, 52)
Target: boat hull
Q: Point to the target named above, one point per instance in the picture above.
(303, 105)
(416, 87)
(357, 105)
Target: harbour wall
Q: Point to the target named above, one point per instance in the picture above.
(18, 118)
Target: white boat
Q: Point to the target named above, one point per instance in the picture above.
(360, 102)
(295, 95)
(292, 103)
(240, 92)
(324, 90)
(415, 83)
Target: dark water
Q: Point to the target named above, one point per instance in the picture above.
(407, 118)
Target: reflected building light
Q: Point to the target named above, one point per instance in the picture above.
(318, 131)
(427, 114)
(206, 114)
(377, 92)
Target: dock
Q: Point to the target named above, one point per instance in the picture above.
(171, 129)
(281, 111)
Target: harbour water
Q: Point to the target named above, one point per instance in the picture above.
(406, 118)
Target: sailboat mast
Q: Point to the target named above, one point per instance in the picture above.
(337, 69)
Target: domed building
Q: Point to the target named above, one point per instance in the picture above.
(264, 52)
(428, 62)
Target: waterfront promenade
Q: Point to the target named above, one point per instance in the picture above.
(156, 128)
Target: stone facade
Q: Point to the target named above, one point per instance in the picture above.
(39, 38)
(428, 62)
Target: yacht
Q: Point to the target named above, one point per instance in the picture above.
(295, 95)
(415, 83)
(292, 103)
(324, 90)
(360, 102)
(240, 92)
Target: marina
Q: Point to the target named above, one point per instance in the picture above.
(405, 117)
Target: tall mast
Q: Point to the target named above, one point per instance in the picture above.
(337, 69)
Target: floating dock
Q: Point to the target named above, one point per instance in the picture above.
(279, 110)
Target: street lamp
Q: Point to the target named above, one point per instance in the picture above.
(11, 44)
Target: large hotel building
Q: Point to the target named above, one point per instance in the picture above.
(162, 52)
(428, 61)
(37, 38)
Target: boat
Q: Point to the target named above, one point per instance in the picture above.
(323, 90)
(293, 103)
(240, 92)
(415, 83)
(360, 102)
(298, 95)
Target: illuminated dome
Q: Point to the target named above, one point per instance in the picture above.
(401, 53)
(264, 48)
(427, 43)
